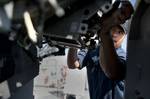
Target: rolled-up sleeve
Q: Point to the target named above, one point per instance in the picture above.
(121, 53)
(83, 58)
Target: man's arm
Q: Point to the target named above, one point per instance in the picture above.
(72, 58)
(110, 62)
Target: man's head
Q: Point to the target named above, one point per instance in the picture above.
(118, 34)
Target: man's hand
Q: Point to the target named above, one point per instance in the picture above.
(118, 16)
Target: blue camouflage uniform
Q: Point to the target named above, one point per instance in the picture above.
(100, 86)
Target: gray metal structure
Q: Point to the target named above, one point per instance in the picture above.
(138, 63)
(18, 64)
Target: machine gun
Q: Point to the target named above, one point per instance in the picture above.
(59, 23)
